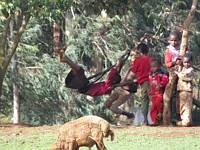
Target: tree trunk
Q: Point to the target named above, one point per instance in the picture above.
(2, 74)
(16, 100)
(16, 105)
(7, 53)
(57, 38)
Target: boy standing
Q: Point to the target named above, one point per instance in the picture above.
(140, 68)
(157, 82)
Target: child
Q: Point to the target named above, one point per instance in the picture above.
(140, 69)
(157, 82)
(76, 79)
(172, 51)
(172, 59)
(184, 86)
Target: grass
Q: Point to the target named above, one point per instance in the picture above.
(139, 138)
(39, 142)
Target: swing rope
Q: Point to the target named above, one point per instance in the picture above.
(99, 75)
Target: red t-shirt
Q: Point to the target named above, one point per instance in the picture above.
(101, 88)
(158, 83)
(171, 55)
(141, 67)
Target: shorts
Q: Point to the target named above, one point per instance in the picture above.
(76, 81)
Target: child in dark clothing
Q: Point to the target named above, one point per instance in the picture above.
(76, 78)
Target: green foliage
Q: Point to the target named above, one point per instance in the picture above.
(99, 32)
(102, 36)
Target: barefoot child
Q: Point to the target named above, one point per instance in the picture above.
(171, 61)
(157, 82)
(185, 89)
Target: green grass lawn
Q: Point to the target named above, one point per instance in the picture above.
(138, 138)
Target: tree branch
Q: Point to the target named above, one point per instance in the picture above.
(101, 50)
(16, 41)
(5, 35)
(186, 25)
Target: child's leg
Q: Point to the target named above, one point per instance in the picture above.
(144, 99)
(154, 110)
(114, 96)
(75, 67)
(186, 107)
(76, 78)
(65, 59)
(157, 108)
(122, 98)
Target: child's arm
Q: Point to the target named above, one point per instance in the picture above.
(129, 75)
(165, 80)
(127, 80)
(116, 69)
(125, 83)
(186, 76)
(64, 59)
(168, 59)
(119, 64)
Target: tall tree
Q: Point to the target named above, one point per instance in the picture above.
(23, 9)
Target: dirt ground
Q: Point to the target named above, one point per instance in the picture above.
(159, 131)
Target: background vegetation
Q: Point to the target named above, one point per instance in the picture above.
(96, 32)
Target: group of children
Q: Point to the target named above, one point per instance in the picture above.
(181, 75)
(144, 73)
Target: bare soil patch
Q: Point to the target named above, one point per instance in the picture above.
(159, 131)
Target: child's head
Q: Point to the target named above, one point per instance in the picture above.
(155, 65)
(187, 60)
(134, 54)
(143, 48)
(174, 39)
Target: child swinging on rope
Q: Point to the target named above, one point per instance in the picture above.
(76, 78)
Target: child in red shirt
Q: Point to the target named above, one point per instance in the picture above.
(157, 82)
(140, 68)
(76, 79)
